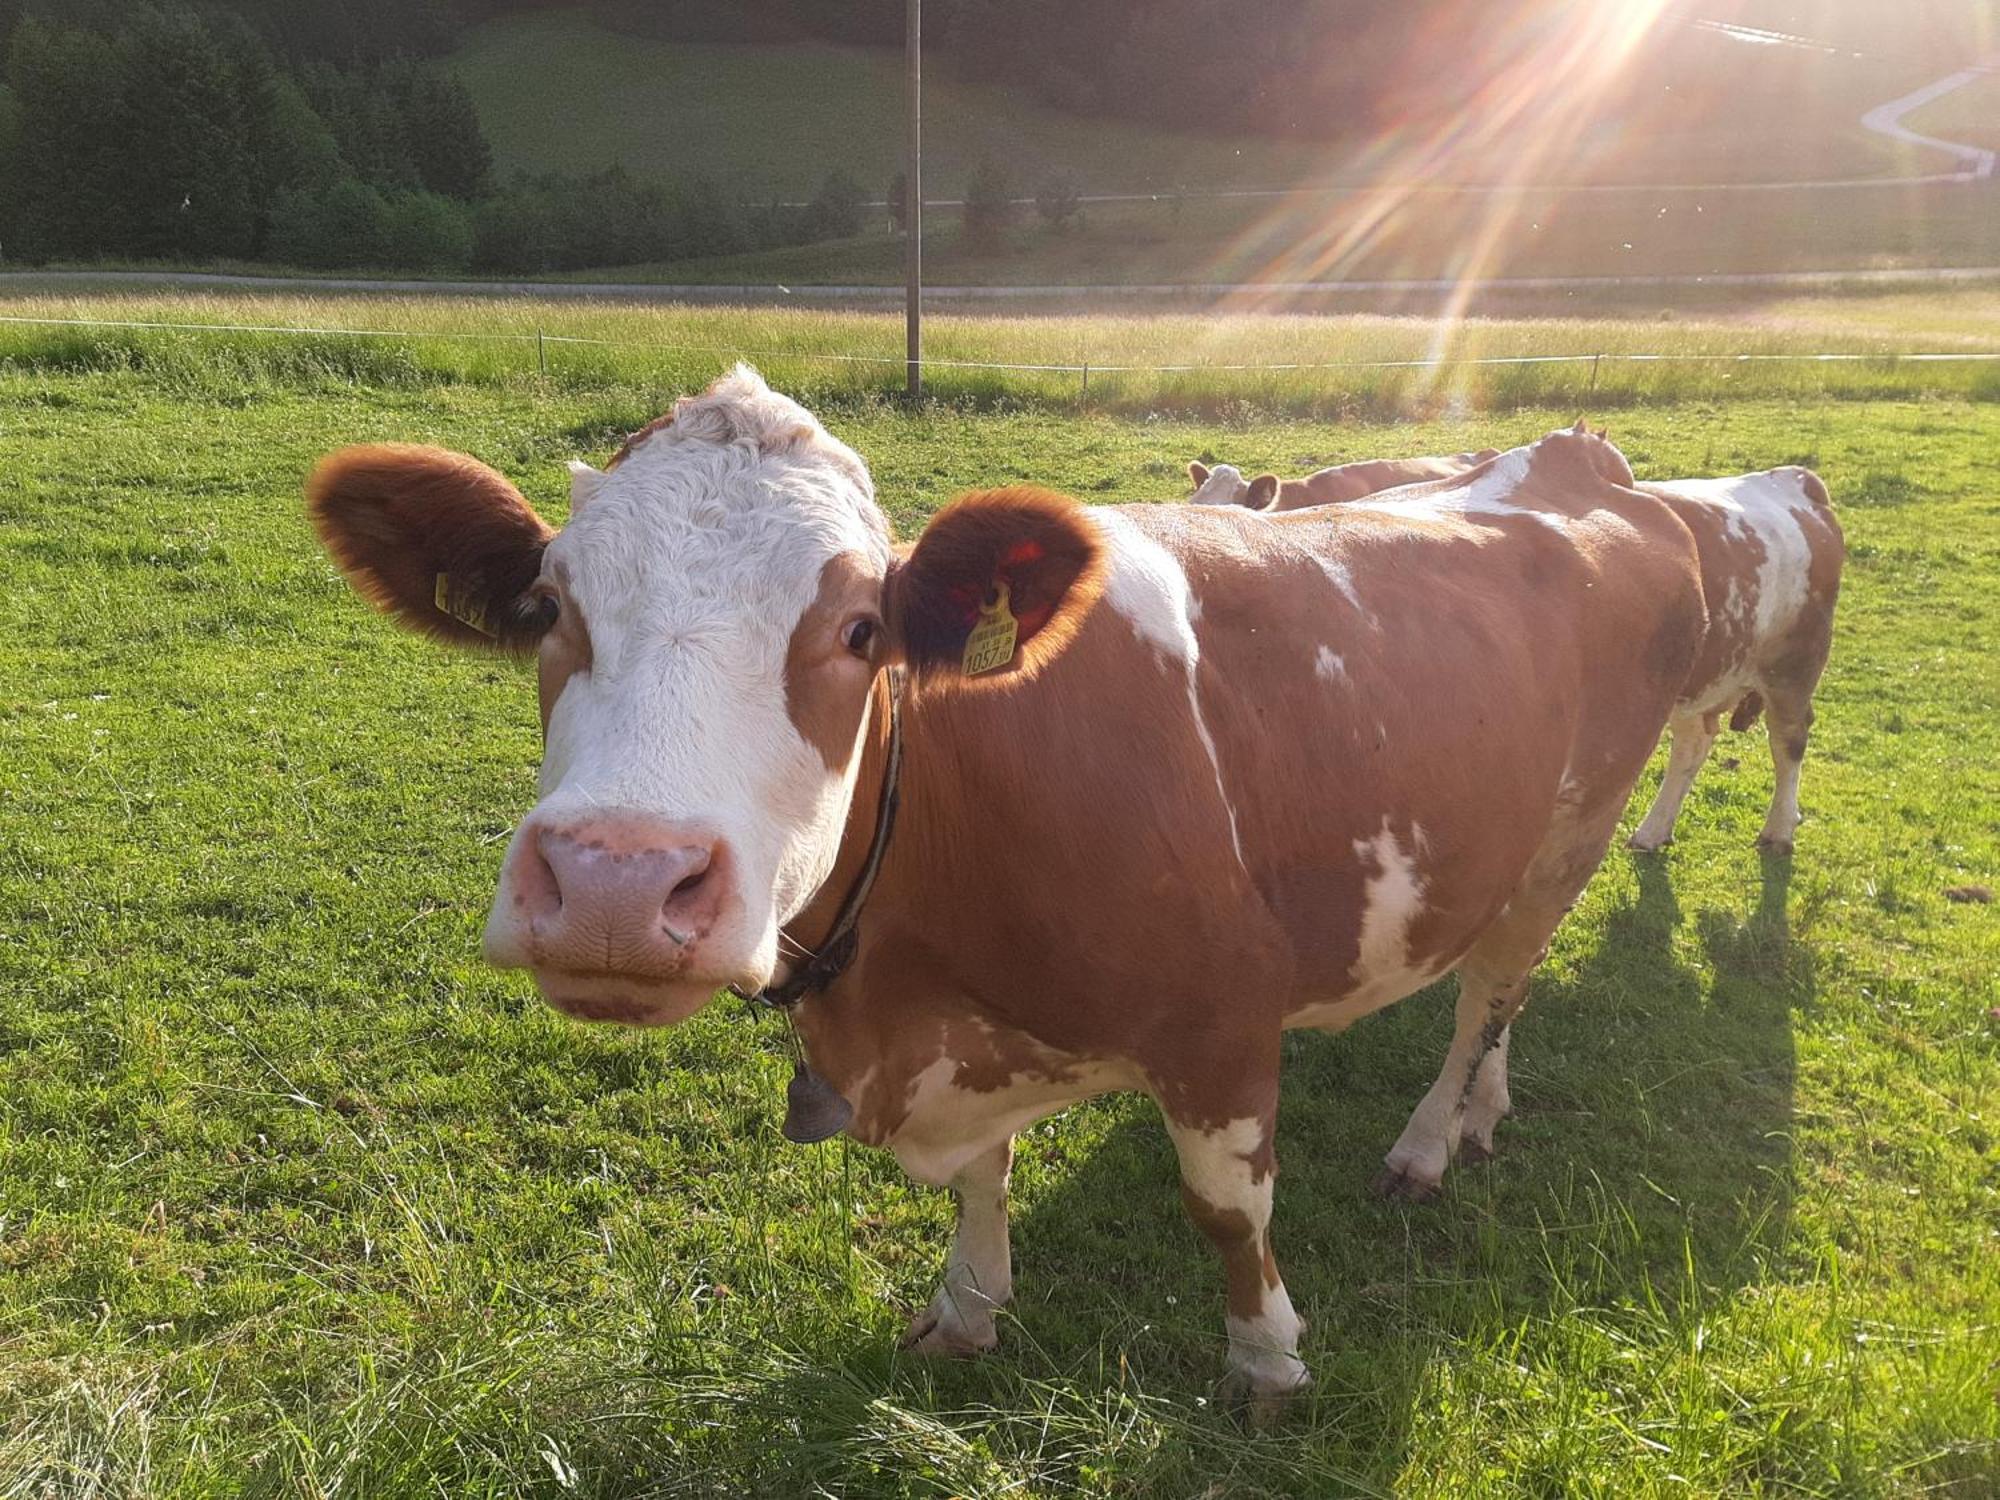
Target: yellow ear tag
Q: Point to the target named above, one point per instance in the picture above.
(441, 596)
(991, 644)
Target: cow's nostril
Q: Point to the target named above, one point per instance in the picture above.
(537, 886)
(685, 891)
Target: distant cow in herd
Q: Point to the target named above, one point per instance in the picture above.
(1771, 554)
(1056, 800)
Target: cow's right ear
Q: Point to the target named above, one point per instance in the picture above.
(997, 585)
(436, 539)
(1198, 472)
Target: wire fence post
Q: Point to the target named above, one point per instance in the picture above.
(541, 353)
(1595, 361)
(913, 207)
(1086, 380)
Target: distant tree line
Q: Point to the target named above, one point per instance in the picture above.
(276, 130)
(320, 133)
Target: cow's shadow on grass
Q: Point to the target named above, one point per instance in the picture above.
(1653, 1081)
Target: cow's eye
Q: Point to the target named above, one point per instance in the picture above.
(859, 635)
(547, 608)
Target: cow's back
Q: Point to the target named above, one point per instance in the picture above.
(1771, 552)
(1271, 738)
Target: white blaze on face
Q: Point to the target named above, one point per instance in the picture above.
(691, 564)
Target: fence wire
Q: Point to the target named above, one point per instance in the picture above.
(1086, 368)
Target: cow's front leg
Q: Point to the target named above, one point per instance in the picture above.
(979, 1278)
(1226, 1177)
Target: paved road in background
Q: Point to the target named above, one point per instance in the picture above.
(648, 291)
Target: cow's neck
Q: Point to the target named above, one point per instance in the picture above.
(809, 929)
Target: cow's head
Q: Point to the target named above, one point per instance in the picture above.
(710, 626)
(1225, 485)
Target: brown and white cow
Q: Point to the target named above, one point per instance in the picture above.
(1238, 774)
(1771, 554)
(1225, 485)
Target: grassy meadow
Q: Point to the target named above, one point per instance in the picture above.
(297, 1198)
(579, 89)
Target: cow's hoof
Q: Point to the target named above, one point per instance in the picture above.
(1472, 1148)
(941, 1333)
(1401, 1182)
(1641, 844)
(1771, 843)
(1262, 1398)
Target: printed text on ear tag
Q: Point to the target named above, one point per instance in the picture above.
(991, 644)
(465, 613)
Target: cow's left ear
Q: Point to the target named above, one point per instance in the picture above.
(996, 586)
(1263, 490)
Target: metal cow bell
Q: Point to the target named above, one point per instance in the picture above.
(814, 1108)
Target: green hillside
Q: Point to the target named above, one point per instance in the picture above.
(559, 91)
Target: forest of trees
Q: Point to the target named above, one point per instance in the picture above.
(313, 133)
(320, 132)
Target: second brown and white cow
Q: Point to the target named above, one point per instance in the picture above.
(1771, 554)
(1171, 779)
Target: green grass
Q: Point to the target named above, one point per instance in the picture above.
(640, 355)
(296, 1197)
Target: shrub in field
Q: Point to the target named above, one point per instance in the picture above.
(899, 202)
(349, 225)
(355, 225)
(560, 223)
(1059, 200)
(835, 210)
(428, 232)
(989, 203)
(516, 230)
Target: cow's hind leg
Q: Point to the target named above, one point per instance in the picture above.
(1470, 1094)
(1789, 717)
(1226, 1176)
(1693, 737)
(1487, 1102)
(1489, 995)
(979, 1278)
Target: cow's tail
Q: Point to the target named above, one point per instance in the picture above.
(1750, 705)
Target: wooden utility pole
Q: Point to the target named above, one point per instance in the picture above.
(913, 202)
